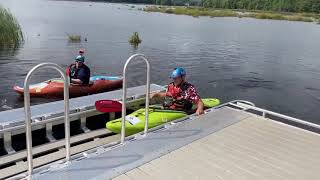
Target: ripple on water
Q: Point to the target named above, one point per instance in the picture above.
(314, 93)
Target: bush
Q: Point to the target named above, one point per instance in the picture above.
(10, 30)
(135, 39)
(74, 38)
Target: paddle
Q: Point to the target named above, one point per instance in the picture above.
(115, 106)
(108, 106)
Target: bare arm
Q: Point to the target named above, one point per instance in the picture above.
(200, 107)
(76, 81)
(160, 94)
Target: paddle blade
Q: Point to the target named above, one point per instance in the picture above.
(108, 106)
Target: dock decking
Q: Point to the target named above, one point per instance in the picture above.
(225, 143)
(253, 148)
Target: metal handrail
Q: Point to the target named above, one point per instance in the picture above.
(47, 121)
(232, 102)
(51, 119)
(28, 111)
(289, 118)
(243, 102)
(124, 95)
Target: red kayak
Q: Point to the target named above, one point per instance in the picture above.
(54, 87)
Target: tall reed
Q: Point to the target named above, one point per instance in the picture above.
(10, 30)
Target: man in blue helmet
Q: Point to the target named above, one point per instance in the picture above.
(79, 72)
(180, 94)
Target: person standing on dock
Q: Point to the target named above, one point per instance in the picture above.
(180, 94)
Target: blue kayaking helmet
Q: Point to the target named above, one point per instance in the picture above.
(80, 58)
(178, 72)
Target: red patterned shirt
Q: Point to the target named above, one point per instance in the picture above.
(184, 96)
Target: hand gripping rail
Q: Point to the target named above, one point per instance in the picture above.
(28, 111)
(124, 95)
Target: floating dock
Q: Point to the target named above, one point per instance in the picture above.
(228, 142)
(46, 120)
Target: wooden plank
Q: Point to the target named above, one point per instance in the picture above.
(215, 167)
(283, 158)
(170, 170)
(245, 162)
(275, 140)
(293, 163)
(252, 172)
(156, 173)
(291, 138)
(286, 130)
(122, 177)
(189, 166)
(228, 143)
(196, 168)
(276, 149)
(223, 163)
(138, 174)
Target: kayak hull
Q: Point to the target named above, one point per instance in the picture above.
(136, 120)
(54, 87)
(156, 118)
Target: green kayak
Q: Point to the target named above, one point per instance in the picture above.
(135, 121)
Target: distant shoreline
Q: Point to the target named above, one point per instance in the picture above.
(210, 12)
(197, 11)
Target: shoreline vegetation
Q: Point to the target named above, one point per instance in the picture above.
(212, 12)
(10, 30)
(290, 10)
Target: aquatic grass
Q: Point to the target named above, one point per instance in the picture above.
(74, 38)
(10, 31)
(299, 18)
(278, 16)
(266, 16)
(211, 12)
(135, 39)
(191, 11)
(310, 15)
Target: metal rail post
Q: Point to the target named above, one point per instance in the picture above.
(124, 95)
(27, 111)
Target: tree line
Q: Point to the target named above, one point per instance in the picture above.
(310, 6)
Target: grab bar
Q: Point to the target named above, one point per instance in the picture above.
(27, 111)
(124, 95)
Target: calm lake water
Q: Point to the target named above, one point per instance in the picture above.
(275, 64)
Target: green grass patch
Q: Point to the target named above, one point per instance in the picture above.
(191, 11)
(278, 16)
(10, 30)
(299, 18)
